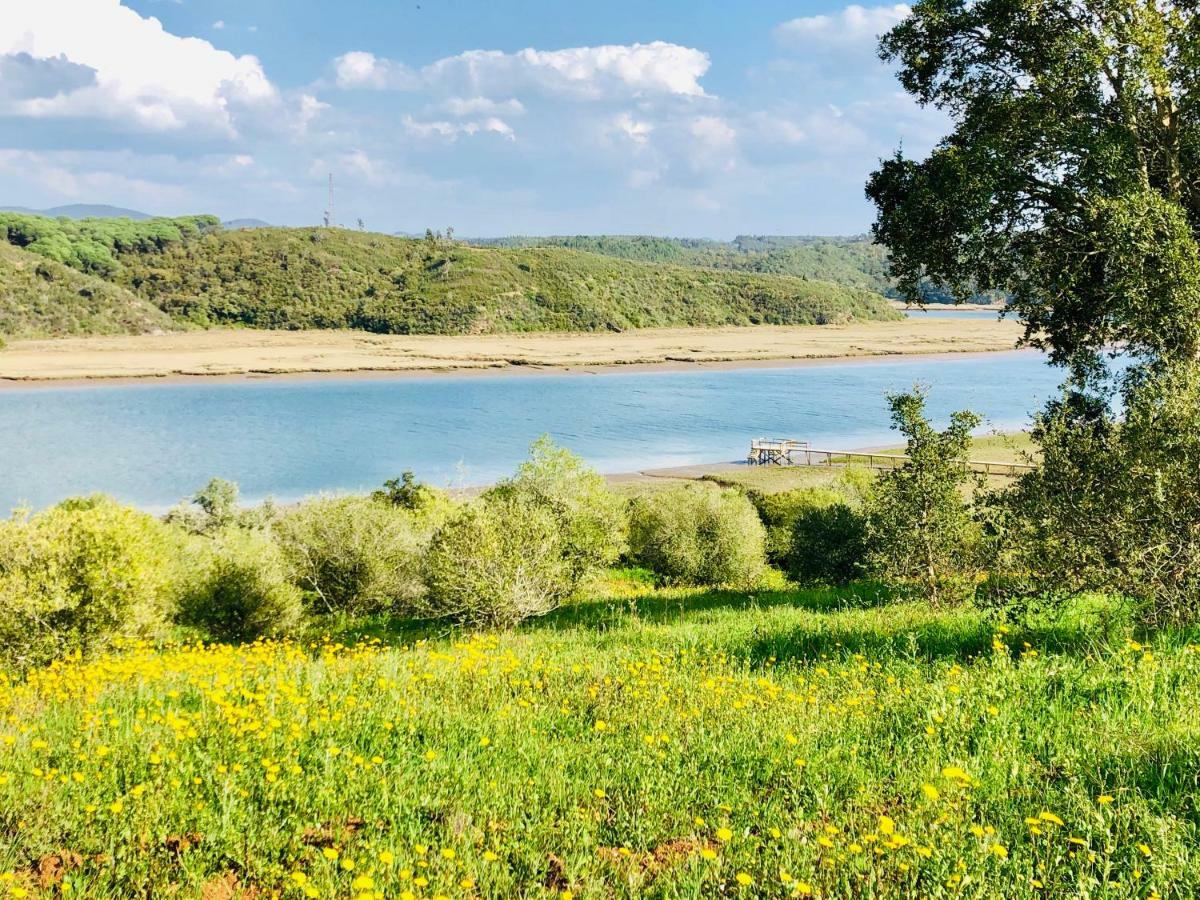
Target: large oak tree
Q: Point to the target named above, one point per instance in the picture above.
(1071, 179)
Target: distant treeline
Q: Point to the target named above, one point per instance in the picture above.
(190, 272)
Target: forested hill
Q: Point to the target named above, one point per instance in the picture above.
(201, 274)
(854, 261)
(41, 297)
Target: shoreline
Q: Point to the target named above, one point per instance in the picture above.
(243, 356)
(498, 371)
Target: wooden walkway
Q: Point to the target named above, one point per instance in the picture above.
(786, 452)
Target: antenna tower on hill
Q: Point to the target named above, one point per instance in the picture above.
(329, 208)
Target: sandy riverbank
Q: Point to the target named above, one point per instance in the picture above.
(246, 353)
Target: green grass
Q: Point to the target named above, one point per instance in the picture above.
(645, 743)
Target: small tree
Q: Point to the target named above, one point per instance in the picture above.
(213, 507)
(919, 524)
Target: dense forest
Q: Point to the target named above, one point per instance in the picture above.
(200, 274)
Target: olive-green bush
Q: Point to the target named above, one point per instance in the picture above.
(81, 574)
(497, 562)
(693, 534)
(591, 519)
(358, 555)
(237, 588)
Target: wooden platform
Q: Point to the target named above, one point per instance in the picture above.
(787, 452)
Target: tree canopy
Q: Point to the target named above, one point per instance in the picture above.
(1071, 178)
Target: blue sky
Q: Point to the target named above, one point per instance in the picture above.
(699, 118)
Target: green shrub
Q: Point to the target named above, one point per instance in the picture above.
(79, 575)
(828, 545)
(695, 535)
(499, 561)
(591, 519)
(356, 555)
(779, 512)
(237, 588)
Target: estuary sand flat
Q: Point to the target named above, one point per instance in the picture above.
(255, 353)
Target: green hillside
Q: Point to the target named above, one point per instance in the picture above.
(852, 261)
(40, 298)
(200, 274)
(334, 278)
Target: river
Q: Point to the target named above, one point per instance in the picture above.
(154, 443)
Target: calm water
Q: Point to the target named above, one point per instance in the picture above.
(152, 444)
(950, 312)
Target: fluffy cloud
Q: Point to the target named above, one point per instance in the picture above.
(475, 106)
(143, 76)
(657, 68)
(359, 69)
(637, 131)
(854, 26)
(24, 77)
(453, 130)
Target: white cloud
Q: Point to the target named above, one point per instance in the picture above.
(360, 69)
(635, 130)
(854, 25)
(309, 108)
(218, 25)
(474, 106)
(452, 131)
(713, 131)
(657, 68)
(72, 175)
(145, 76)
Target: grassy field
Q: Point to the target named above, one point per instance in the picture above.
(646, 743)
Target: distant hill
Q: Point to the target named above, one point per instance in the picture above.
(854, 261)
(43, 298)
(197, 272)
(82, 211)
(245, 223)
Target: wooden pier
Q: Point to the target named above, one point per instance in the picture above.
(787, 452)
